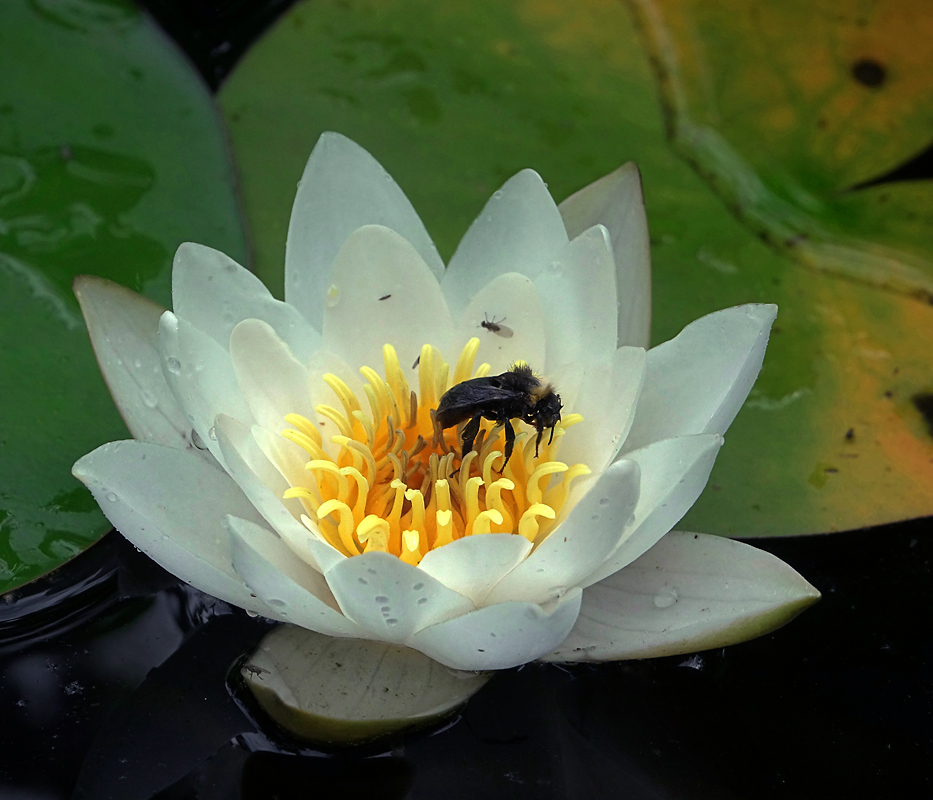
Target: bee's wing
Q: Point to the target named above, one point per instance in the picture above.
(472, 396)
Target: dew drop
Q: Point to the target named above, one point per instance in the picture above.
(333, 295)
(149, 399)
(496, 195)
(212, 434)
(277, 603)
(111, 497)
(174, 365)
(385, 610)
(362, 580)
(371, 571)
(138, 363)
(665, 597)
(382, 599)
(251, 613)
(422, 601)
(604, 501)
(418, 587)
(197, 441)
(391, 622)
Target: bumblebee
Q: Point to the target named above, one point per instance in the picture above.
(516, 394)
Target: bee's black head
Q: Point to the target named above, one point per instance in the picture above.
(547, 410)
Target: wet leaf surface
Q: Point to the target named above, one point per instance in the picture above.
(111, 155)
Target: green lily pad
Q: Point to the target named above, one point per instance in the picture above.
(111, 155)
(454, 98)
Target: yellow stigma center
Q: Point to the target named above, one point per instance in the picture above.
(392, 483)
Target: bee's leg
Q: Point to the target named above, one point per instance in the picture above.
(538, 440)
(469, 434)
(509, 443)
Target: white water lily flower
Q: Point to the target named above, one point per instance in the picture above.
(285, 459)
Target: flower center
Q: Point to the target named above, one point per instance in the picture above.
(398, 485)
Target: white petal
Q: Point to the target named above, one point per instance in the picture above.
(578, 293)
(519, 230)
(271, 379)
(214, 293)
(375, 262)
(608, 398)
(124, 330)
(689, 592)
(343, 188)
(697, 381)
(474, 564)
(616, 201)
(576, 547)
(200, 375)
(171, 505)
(511, 301)
(264, 485)
(500, 636)
(276, 575)
(392, 599)
(673, 474)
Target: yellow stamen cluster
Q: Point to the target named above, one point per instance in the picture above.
(395, 484)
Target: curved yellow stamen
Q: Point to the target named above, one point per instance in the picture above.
(306, 426)
(484, 520)
(528, 524)
(465, 362)
(411, 547)
(533, 490)
(373, 531)
(337, 418)
(395, 378)
(330, 468)
(344, 523)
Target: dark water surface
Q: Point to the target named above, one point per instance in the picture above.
(116, 687)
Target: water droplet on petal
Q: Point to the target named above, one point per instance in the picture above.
(174, 365)
(391, 622)
(111, 497)
(665, 597)
(604, 501)
(333, 295)
(251, 613)
(212, 433)
(149, 399)
(382, 599)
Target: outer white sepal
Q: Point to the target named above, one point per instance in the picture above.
(616, 201)
(214, 293)
(124, 331)
(689, 592)
(697, 381)
(171, 505)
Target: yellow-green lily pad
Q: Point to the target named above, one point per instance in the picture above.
(454, 98)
